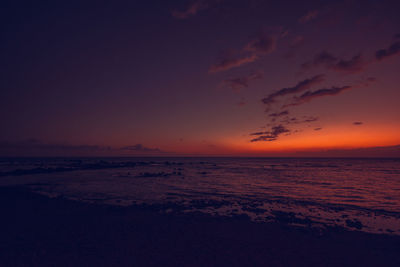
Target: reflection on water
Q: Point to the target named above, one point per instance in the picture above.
(362, 194)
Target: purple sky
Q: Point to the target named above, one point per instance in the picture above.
(201, 77)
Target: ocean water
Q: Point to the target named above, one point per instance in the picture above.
(357, 194)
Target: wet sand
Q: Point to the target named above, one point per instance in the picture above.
(39, 231)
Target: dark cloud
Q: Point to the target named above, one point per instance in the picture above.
(397, 36)
(243, 81)
(310, 95)
(309, 119)
(355, 64)
(294, 120)
(271, 135)
(278, 126)
(329, 61)
(392, 50)
(140, 148)
(309, 16)
(228, 62)
(263, 44)
(191, 9)
(357, 123)
(279, 114)
(318, 129)
(301, 86)
(323, 58)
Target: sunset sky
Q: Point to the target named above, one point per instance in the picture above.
(199, 77)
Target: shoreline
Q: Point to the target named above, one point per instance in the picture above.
(41, 231)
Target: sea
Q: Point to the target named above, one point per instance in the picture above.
(355, 194)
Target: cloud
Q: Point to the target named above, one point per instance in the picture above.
(271, 135)
(310, 95)
(397, 36)
(355, 64)
(309, 16)
(299, 87)
(283, 113)
(358, 123)
(323, 58)
(318, 129)
(261, 45)
(392, 50)
(242, 81)
(190, 10)
(140, 148)
(227, 63)
(329, 61)
(294, 120)
(278, 126)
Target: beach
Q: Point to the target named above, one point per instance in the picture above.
(40, 231)
(200, 133)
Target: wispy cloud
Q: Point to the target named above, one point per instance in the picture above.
(263, 44)
(358, 123)
(310, 95)
(241, 82)
(299, 87)
(191, 9)
(270, 135)
(355, 64)
(279, 114)
(329, 61)
(392, 50)
(309, 16)
(282, 118)
(258, 47)
(227, 63)
(301, 120)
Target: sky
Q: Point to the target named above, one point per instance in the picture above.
(200, 77)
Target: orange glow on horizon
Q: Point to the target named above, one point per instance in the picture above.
(337, 137)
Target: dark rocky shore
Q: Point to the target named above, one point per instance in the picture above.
(39, 231)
